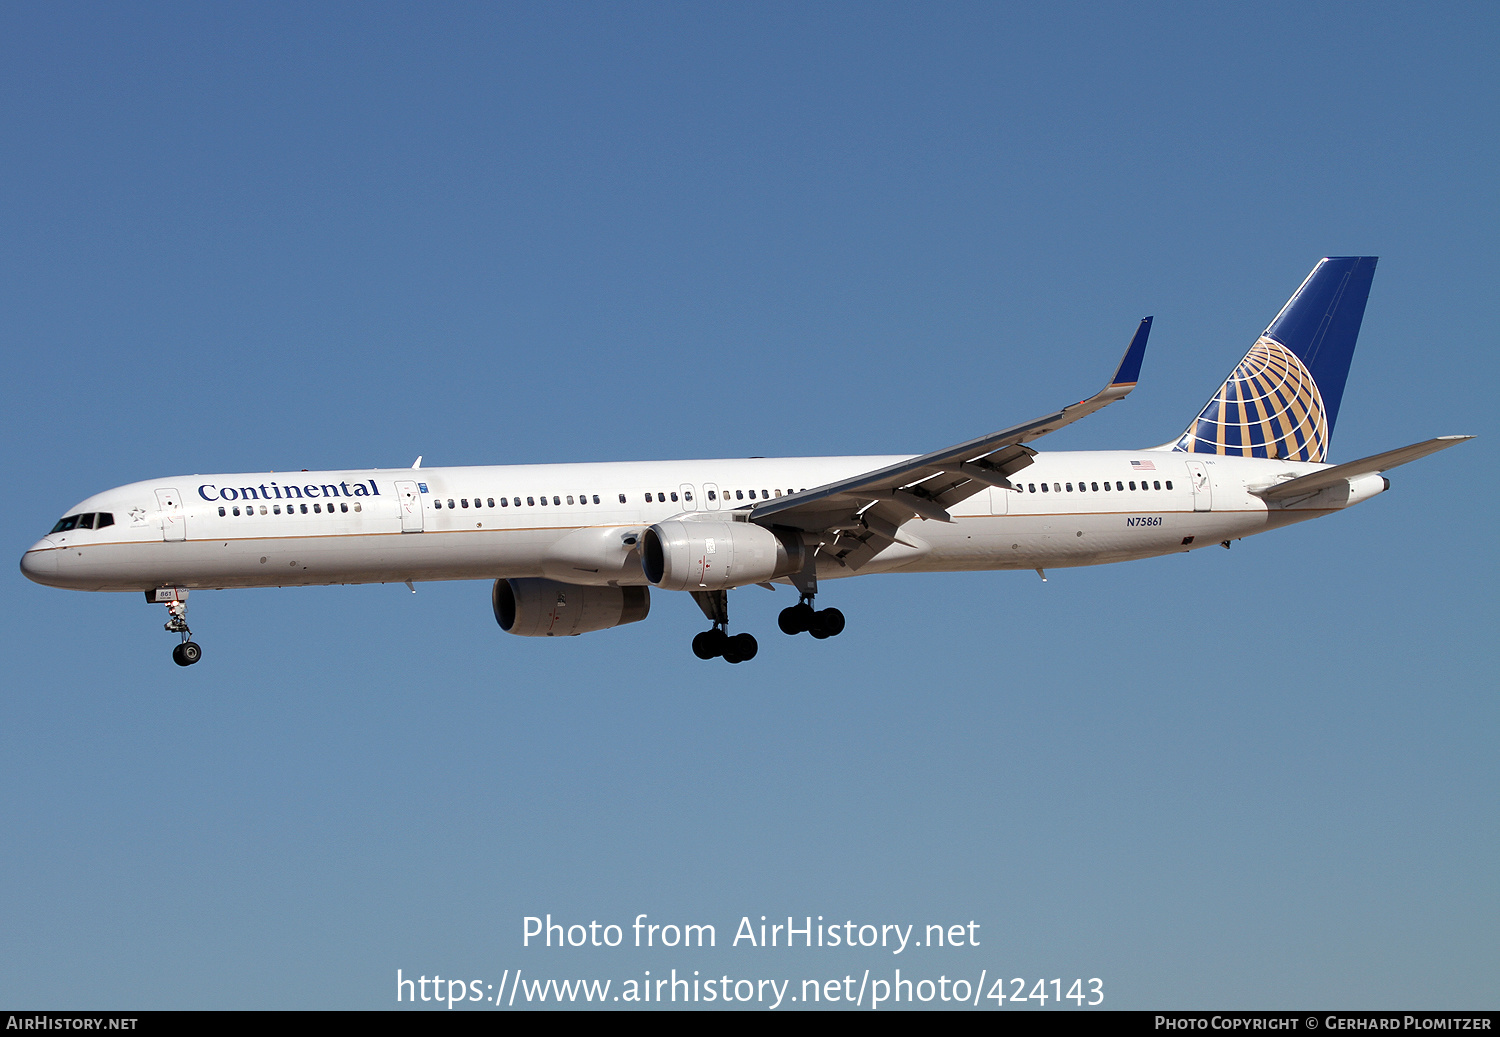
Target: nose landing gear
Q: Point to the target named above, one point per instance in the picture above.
(175, 598)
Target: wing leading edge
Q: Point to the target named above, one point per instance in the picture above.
(863, 512)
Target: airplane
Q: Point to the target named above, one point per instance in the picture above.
(575, 548)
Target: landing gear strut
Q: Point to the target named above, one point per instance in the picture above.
(711, 644)
(188, 652)
(802, 617)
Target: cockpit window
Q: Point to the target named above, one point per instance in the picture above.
(91, 520)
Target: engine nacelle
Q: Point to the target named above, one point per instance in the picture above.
(547, 608)
(692, 555)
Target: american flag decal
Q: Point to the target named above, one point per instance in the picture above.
(1143, 466)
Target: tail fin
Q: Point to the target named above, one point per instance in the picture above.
(1283, 398)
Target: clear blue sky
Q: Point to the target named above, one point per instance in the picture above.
(277, 236)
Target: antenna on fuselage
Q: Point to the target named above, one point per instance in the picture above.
(418, 462)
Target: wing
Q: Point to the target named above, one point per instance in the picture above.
(861, 514)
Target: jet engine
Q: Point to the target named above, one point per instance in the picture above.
(713, 555)
(548, 608)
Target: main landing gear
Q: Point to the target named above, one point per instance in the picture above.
(719, 642)
(735, 648)
(188, 652)
(802, 617)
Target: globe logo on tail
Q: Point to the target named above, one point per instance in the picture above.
(1269, 407)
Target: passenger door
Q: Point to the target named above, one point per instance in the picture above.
(173, 522)
(411, 506)
(1203, 487)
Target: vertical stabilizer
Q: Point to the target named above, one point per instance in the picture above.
(1283, 398)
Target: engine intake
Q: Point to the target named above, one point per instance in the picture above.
(549, 608)
(701, 555)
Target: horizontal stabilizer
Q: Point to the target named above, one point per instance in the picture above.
(1364, 466)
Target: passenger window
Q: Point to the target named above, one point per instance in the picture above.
(1044, 487)
(1070, 487)
(342, 507)
(543, 499)
(318, 508)
(1095, 487)
(712, 495)
(518, 501)
(1056, 488)
(622, 498)
(303, 509)
(556, 501)
(505, 502)
(450, 502)
(739, 494)
(1106, 486)
(531, 502)
(263, 509)
(1119, 485)
(648, 498)
(1132, 486)
(464, 501)
(687, 495)
(221, 512)
(435, 503)
(764, 495)
(357, 507)
(596, 498)
(1157, 484)
(236, 511)
(674, 498)
(570, 498)
(1169, 484)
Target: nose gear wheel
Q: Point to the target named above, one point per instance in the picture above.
(188, 652)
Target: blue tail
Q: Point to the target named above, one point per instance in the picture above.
(1283, 398)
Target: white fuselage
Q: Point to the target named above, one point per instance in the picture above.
(279, 529)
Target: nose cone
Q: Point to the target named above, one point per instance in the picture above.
(40, 563)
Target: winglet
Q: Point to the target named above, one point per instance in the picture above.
(1129, 371)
